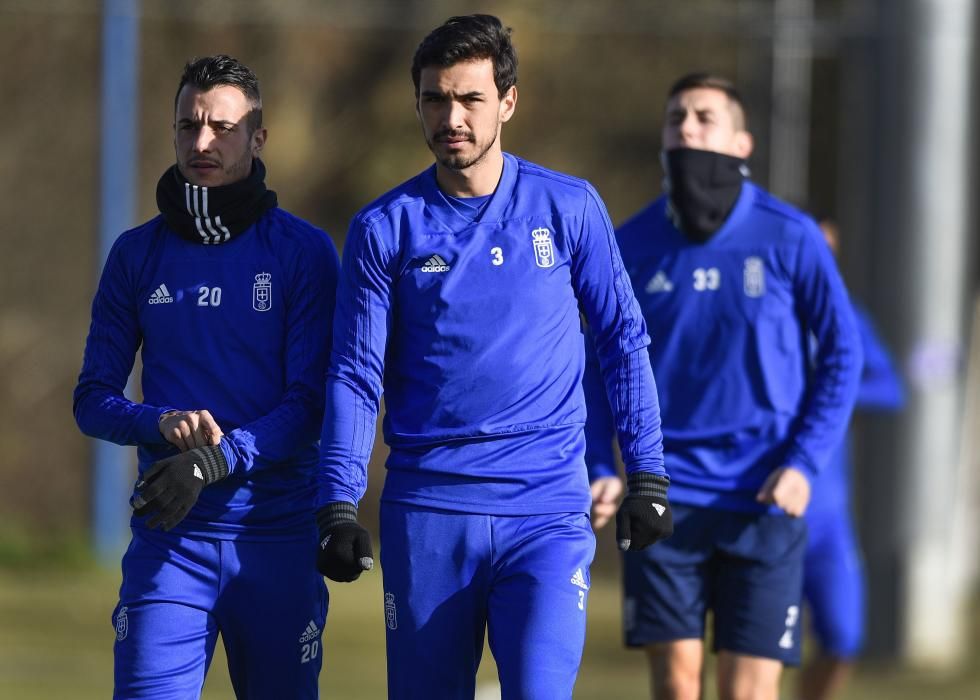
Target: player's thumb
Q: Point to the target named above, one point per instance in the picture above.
(363, 553)
(623, 534)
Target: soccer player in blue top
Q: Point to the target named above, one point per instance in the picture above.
(460, 296)
(732, 283)
(833, 576)
(229, 299)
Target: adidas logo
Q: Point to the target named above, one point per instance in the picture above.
(161, 296)
(310, 633)
(659, 283)
(579, 580)
(659, 508)
(198, 473)
(435, 264)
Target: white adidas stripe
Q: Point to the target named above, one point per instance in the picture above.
(196, 201)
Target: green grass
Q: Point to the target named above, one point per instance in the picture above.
(56, 642)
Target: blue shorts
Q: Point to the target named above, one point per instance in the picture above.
(833, 584)
(265, 598)
(746, 568)
(451, 578)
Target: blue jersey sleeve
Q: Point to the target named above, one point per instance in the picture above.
(100, 406)
(881, 387)
(599, 425)
(354, 380)
(823, 305)
(614, 317)
(276, 436)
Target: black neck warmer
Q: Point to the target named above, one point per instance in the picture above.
(212, 215)
(702, 187)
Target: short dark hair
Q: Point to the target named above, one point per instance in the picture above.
(469, 38)
(212, 71)
(715, 82)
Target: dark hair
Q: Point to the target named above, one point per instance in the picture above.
(469, 38)
(715, 82)
(212, 71)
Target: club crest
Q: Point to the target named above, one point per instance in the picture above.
(262, 292)
(122, 624)
(544, 251)
(754, 277)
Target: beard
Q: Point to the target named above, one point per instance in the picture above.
(230, 173)
(462, 161)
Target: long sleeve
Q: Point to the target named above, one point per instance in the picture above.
(295, 422)
(101, 409)
(881, 387)
(354, 380)
(606, 295)
(599, 426)
(823, 305)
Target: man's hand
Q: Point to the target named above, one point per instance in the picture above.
(345, 546)
(788, 488)
(606, 491)
(189, 429)
(169, 489)
(644, 516)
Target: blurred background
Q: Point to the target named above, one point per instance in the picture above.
(861, 109)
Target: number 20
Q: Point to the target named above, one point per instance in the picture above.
(209, 296)
(310, 651)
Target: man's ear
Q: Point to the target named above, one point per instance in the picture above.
(743, 144)
(508, 103)
(259, 137)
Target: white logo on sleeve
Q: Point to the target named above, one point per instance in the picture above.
(659, 508)
(262, 292)
(391, 617)
(659, 284)
(161, 295)
(579, 580)
(198, 473)
(544, 251)
(435, 264)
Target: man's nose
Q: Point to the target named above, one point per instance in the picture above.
(688, 130)
(204, 139)
(453, 117)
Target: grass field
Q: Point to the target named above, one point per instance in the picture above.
(56, 643)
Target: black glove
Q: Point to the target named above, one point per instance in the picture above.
(345, 546)
(644, 515)
(169, 489)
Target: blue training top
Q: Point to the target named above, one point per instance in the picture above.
(880, 389)
(241, 329)
(729, 320)
(472, 326)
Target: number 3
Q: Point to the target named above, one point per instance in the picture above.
(498, 255)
